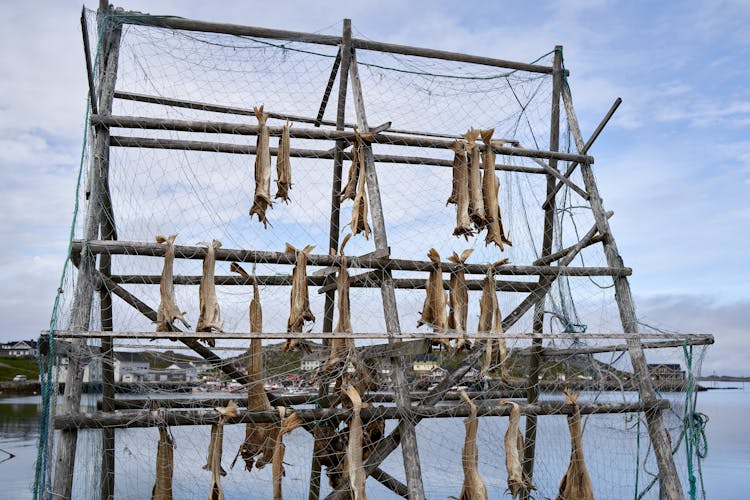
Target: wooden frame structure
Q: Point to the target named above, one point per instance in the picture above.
(100, 238)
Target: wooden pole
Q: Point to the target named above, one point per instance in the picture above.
(538, 321)
(132, 419)
(84, 291)
(353, 262)
(390, 310)
(670, 480)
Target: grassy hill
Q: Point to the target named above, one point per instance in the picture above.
(10, 367)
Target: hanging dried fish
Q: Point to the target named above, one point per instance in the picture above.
(262, 197)
(162, 489)
(476, 202)
(283, 166)
(490, 188)
(458, 298)
(518, 482)
(299, 310)
(215, 450)
(354, 467)
(434, 309)
(350, 189)
(490, 321)
(330, 449)
(341, 349)
(259, 437)
(168, 311)
(288, 424)
(210, 318)
(473, 487)
(576, 483)
(461, 186)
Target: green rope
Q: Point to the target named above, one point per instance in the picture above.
(696, 443)
(637, 451)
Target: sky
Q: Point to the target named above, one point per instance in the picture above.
(674, 163)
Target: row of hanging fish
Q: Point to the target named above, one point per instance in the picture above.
(476, 195)
(576, 483)
(262, 195)
(453, 318)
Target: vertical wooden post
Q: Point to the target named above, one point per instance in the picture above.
(84, 291)
(670, 481)
(388, 293)
(345, 51)
(549, 220)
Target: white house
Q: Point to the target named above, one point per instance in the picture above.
(130, 367)
(20, 349)
(92, 363)
(312, 361)
(183, 371)
(424, 363)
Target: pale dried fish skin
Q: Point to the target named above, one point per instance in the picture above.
(518, 481)
(299, 301)
(162, 489)
(215, 449)
(461, 177)
(476, 201)
(434, 311)
(283, 166)
(168, 312)
(458, 297)
(473, 487)
(262, 196)
(490, 189)
(341, 349)
(354, 459)
(209, 319)
(288, 424)
(576, 483)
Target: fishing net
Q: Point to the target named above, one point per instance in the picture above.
(199, 186)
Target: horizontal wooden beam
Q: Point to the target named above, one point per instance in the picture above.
(232, 110)
(134, 419)
(281, 399)
(363, 335)
(179, 23)
(132, 248)
(233, 128)
(248, 149)
(551, 352)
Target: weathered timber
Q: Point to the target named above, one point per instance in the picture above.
(300, 399)
(89, 65)
(549, 352)
(235, 128)
(129, 419)
(510, 319)
(595, 238)
(234, 29)
(84, 291)
(670, 480)
(363, 262)
(245, 149)
(546, 250)
(584, 149)
(390, 309)
(218, 108)
(329, 86)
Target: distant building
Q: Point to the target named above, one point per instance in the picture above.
(91, 362)
(131, 367)
(312, 361)
(666, 372)
(424, 364)
(20, 349)
(183, 371)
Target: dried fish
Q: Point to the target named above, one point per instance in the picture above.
(215, 450)
(262, 197)
(162, 489)
(473, 486)
(283, 166)
(299, 310)
(355, 186)
(341, 349)
(350, 189)
(168, 311)
(518, 482)
(461, 185)
(490, 188)
(434, 309)
(257, 449)
(458, 298)
(330, 450)
(288, 424)
(490, 321)
(576, 483)
(476, 202)
(210, 318)
(354, 467)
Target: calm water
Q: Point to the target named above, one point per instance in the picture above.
(608, 442)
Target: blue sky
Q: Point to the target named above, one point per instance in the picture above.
(674, 164)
